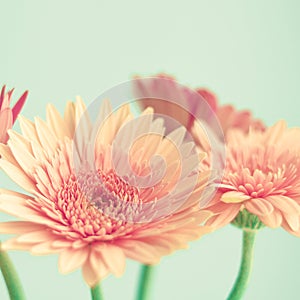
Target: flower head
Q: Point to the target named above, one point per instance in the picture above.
(9, 115)
(96, 212)
(167, 88)
(262, 175)
(229, 117)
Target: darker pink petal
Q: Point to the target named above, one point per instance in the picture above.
(19, 105)
(2, 94)
(8, 115)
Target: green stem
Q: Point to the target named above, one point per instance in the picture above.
(242, 280)
(145, 280)
(96, 292)
(11, 278)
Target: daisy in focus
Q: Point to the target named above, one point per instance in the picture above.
(262, 176)
(89, 227)
(9, 115)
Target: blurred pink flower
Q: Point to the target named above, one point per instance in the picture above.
(9, 115)
(227, 115)
(87, 232)
(262, 175)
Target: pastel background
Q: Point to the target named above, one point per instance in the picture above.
(246, 51)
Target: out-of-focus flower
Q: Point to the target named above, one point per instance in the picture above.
(262, 175)
(9, 115)
(89, 228)
(227, 115)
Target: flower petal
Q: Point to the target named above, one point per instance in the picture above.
(292, 221)
(259, 207)
(71, 259)
(6, 123)
(234, 197)
(285, 204)
(93, 269)
(114, 259)
(272, 220)
(18, 176)
(18, 106)
(224, 216)
(139, 251)
(19, 227)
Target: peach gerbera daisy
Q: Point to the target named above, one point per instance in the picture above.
(262, 175)
(165, 86)
(95, 219)
(8, 115)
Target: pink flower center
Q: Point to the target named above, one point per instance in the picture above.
(98, 204)
(261, 183)
(118, 187)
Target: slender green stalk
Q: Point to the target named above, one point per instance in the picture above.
(242, 280)
(11, 278)
(145, 281)
(96, 292)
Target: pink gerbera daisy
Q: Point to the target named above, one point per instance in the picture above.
(81, 216)
(9, 115)
(262, 176)
(165, 86)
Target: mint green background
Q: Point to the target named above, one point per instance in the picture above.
(246, 51)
